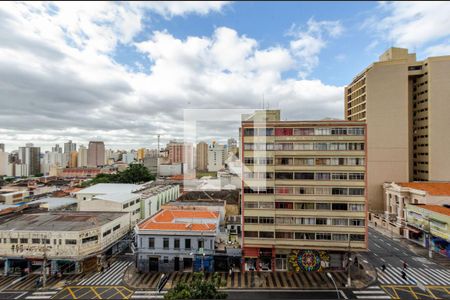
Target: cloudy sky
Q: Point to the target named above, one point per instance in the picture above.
(125, 72)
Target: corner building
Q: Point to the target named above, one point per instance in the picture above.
(304, 201)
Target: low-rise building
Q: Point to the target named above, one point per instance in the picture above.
(10, 197)
(71, 242)
(176, 240)
(155, 196)
(398, 195)
(429, 226)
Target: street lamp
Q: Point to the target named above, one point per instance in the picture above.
(335, 286)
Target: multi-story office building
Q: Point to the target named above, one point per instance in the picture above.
(4, 164)
(216, 157)
(303, 192)
(202, 156)
(232, 146)
(405, 104)
(30, 157)
(140, 154)
(2, 147)
(73, 162)
(96, 154)
(57, 149)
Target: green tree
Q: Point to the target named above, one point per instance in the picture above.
(135, 173)
(198, 288)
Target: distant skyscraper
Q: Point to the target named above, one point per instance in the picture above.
(232, 146)
(57, 149)
(82, 156)
(2, 147)
(4, 163)
(73, 162)
(30, 157)
(202, 156)
(181, 153)
(141, 154)
(96, 154)
(69, 147)
(216, 157)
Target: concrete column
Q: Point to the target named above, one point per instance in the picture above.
(6, 270)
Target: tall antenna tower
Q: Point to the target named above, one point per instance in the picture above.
(157, 153)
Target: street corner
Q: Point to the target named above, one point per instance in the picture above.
(94, 292)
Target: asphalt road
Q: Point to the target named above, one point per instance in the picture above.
(384, 250)
(281, 294)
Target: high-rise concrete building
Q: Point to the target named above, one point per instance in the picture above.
(216, 157)
(96, 154)
(2, 147)
(303, 192)
(57, 149)
(82, 156)
(180, 152)
(30, 157)
(73, 162)
(232, 146)
(4, 163)
(406, 106)
(201, 156)
(140, 154)
(69, 147)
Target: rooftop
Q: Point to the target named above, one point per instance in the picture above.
(181, 220)
(60, 221)
(54, 202)
(436, 208)
(117, 197)
(110, 188)
(432, 188)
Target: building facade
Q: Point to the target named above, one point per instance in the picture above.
(431, 225)
(176, 240)
(303, 192)
(180, 152)
(30, 157)
(71, 242)
(216, 157)
(82, 157)
(405, 105)
(96, 154)
(202, 156)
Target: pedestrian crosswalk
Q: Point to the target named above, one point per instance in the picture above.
(425, 276)
(111, 276)
(41, 295)
(148, 295)
(372, 292)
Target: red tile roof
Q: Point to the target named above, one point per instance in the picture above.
(436, 208)
(168, 219)
(432, 188)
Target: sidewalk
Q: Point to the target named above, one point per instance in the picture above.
(413, 247)
(238, 280)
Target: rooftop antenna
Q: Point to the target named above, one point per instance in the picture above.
(157, 153)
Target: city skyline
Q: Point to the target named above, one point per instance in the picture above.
(115, 81)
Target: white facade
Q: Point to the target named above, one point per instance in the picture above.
(13, 197)
(170, 170)
(129, 157)
(216, 157)
(82, 157)
(154, 198)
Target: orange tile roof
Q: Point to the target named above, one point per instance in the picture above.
(436, 208)
(432, 188)
(167, 218)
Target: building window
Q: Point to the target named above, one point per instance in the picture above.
(304, 236)
(13, 241)
(251, 234)
(166, 243)
(340, 222)
(323, 206)
(125, 205)
(70, 242)
(90, 239)
(304, 176)
(356, 207)
(340, 237)
(176, 243)
(201, 244)
(338, 191)
(266, 234)
(116, 227)
(322, 176)
(284, 175)
(356, 176)
(356, 191)
(357, 222)
(284, 205)
(284, 235)
(24, 241)
(304, 205)
(151, 243)
(357, 237)
(35, 241)
(166, 259)
(339, 206)
(187, 244)
(106, 232)
(321, 221)
(323, 236)
(266, 220)
(251, 220)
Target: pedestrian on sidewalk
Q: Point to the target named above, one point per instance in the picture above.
(230, 271)
(383, 267)
(404, 275)
(405, 265)
(109, 264)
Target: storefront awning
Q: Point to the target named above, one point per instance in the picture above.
(415, 230)
(251, 252)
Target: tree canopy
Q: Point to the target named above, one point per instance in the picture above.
(135, 173)
(198, 288)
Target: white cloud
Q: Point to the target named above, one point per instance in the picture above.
(58, 80)
(411, 23)
(309, 42)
